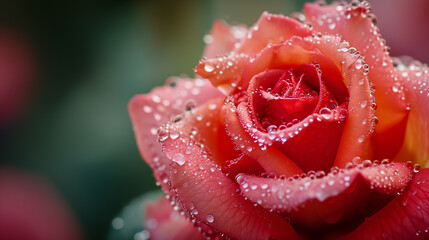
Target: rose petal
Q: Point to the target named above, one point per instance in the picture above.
(360, 122)
(326, 51)
(319, 202)
(148, 112)
(222, 39)
(205, 125)
(280, 109)
(271, 159)
(406, 217)
(415, 80)
(211, 198)
(224, 72)
(354, 25)
(163, 222)
(242, 164)
(272, 29)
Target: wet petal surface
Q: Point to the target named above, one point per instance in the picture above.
(148, 112)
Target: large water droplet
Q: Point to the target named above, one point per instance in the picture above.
(190, 105)
(147, 109)
(208, 67)
(179, 159)
(162, 135)
(210, 218)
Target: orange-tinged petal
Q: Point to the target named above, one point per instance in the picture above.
(415, 81)
(271, 29)
(354, 24)
(222, 39)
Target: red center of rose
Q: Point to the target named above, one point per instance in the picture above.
(284, 98)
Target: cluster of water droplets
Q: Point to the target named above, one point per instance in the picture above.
(280, 193)
(413, 72)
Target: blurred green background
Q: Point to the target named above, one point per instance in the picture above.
(90, 58)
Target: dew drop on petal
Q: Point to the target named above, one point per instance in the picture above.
(395, 87)
(208, 67)
(417, 168)
(210, 218)
(162, 135)
(147, 109)
(179, 159)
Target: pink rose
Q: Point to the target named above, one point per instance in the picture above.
(295, 128)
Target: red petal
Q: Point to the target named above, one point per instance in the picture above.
(148, 112)
(354, 25)
(211, 197)
(359, 124)
(271, 29)
(242, 164)
(271, 159)
(163, 222)
(222, 39)
(318, 202)
(205, 125)
(406, 217)
(311, 144)
(415, 81)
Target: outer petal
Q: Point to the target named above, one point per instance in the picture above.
(163, 222)
(222, 39)
(271, 29)
(224, 72)
(320, 202)
(406, 217)
(148, 112)
(415, 80)
(211, 198)
(354, 25)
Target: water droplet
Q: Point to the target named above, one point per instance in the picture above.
(361, 138)
(395, 87)
(325, 111)
(190, 105)
(358, 64)
(179, 159)
(417, 168)
(162, 134)
(147, 109)
(210, 218)
(208, 39)
(208, 67)
(156, 98)
(174, 134)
